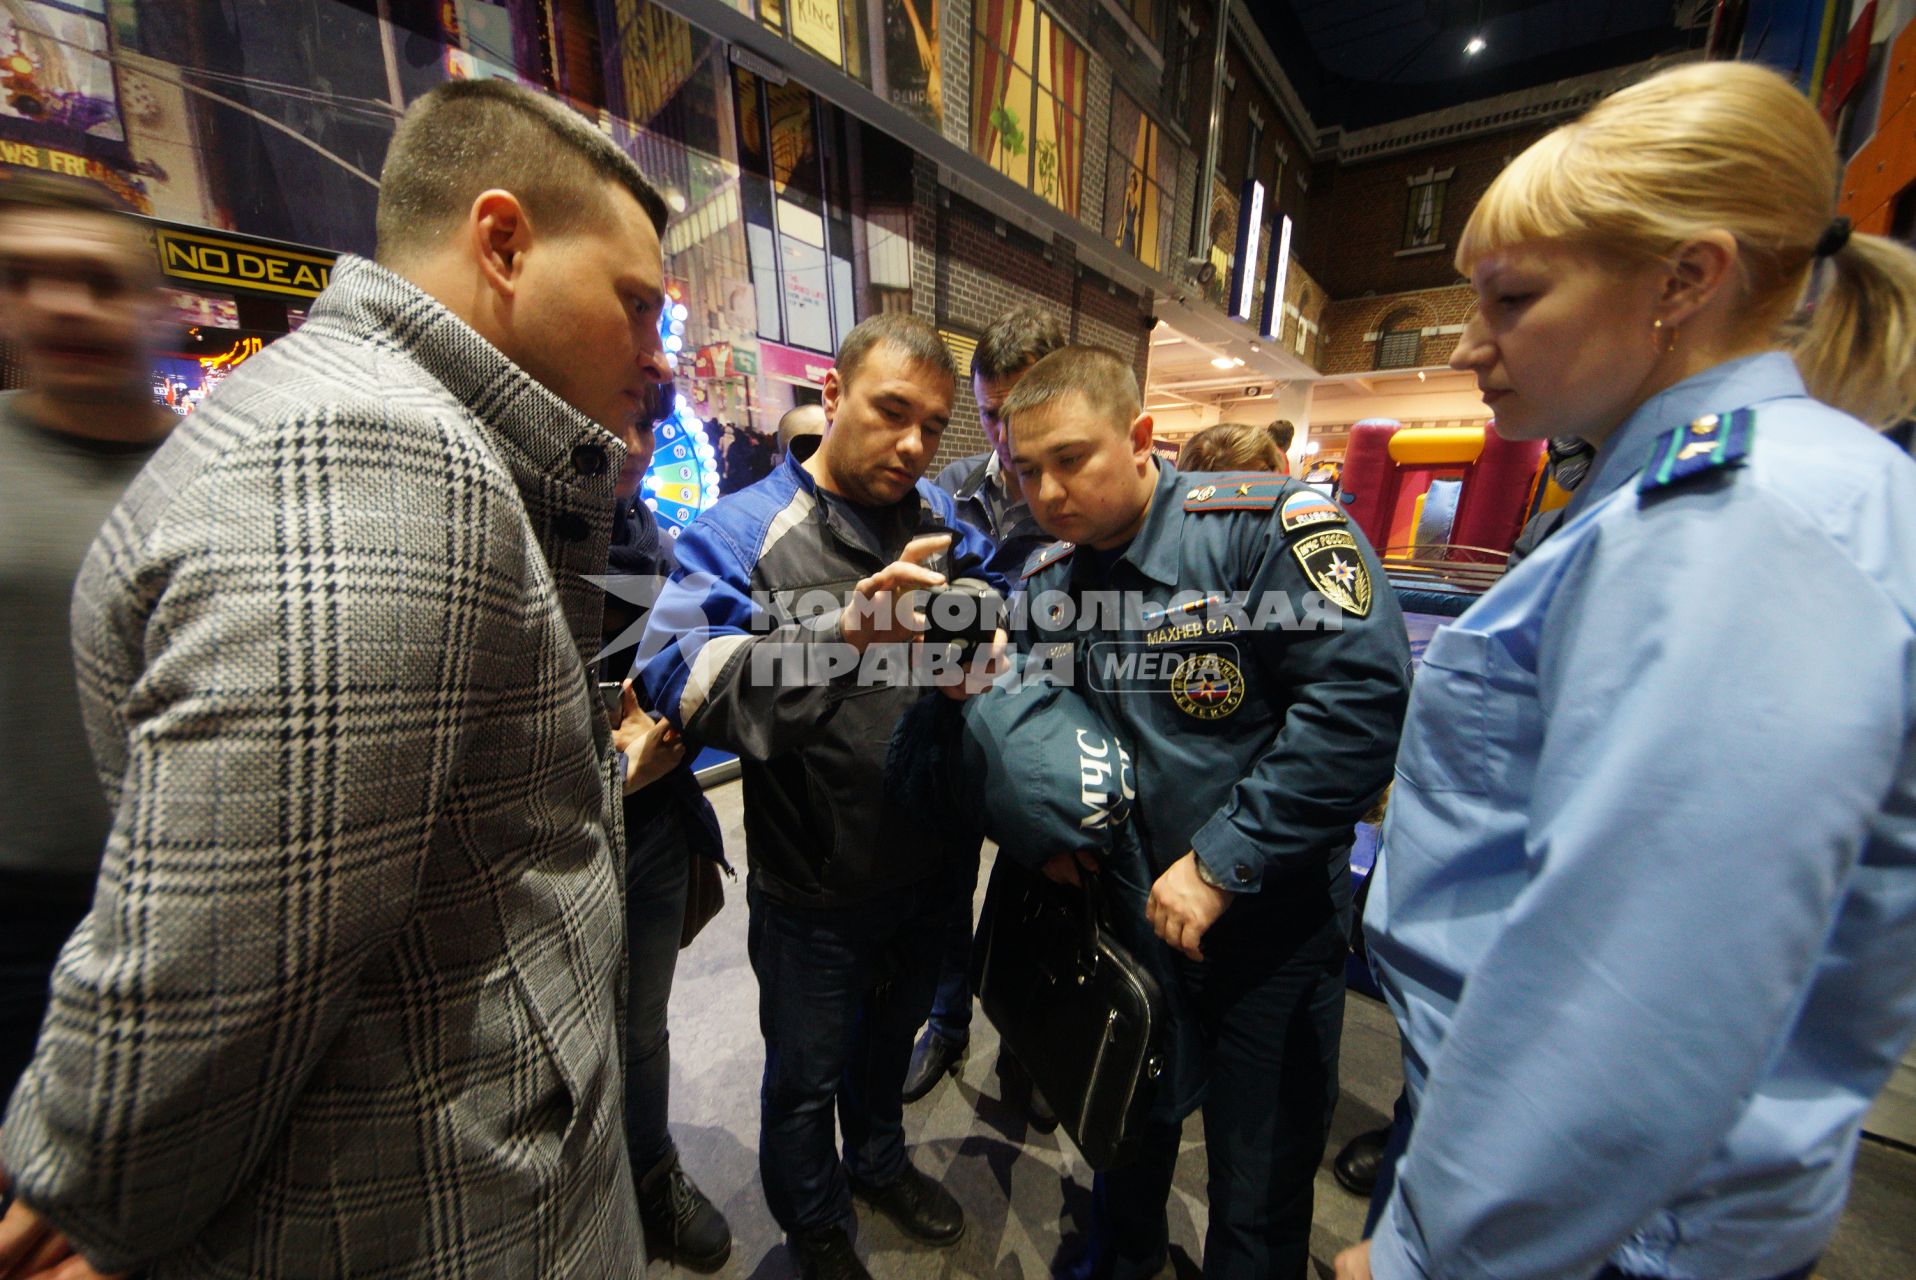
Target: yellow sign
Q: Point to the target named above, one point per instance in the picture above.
(815, 23)
(214, 260)
(26, 155)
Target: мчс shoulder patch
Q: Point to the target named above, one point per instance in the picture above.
(1335, 567)
(1710, 443)
(1307, 507)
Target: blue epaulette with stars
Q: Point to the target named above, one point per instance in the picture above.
(1235, 491)
(1711, 443)
(1044, 557)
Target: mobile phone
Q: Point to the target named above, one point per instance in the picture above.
(612, 694)
(965, 615)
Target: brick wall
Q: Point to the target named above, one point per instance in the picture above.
(1356, 214)
(1349, 343)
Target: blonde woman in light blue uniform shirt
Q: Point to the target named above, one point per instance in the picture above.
(1647, 914)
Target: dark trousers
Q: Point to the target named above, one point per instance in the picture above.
(1271, 1020)
(951, 1005)
(37, 915)
(1400, 1127)
(657, 866)
(842, 992)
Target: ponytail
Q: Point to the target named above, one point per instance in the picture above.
(1856, 344)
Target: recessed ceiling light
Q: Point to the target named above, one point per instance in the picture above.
(1224, 362)
(1475, 46)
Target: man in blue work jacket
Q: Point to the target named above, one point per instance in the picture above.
(783, 637)
(1236, 630)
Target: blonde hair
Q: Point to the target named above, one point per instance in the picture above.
(1734, 147)
(1230, 446)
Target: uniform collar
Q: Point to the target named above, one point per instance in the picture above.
(1151, 553)
(1771, 375)
(541, 433)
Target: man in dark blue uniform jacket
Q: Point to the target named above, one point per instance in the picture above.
(1237, 632)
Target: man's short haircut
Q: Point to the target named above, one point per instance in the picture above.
(1283, 431)
(1016, 341)
(465, 137)
(1099, 375)
(61, 195)
(913, 336)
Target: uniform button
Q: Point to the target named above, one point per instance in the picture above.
(589, 460)
(1243, 872)
(572, 527)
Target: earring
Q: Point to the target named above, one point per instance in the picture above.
(1658, 325)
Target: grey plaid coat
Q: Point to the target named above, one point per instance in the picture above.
(347, 1001)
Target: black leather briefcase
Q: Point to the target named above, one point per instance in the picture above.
(1074, 1007)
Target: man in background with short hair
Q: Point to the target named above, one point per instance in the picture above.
(79, 301)
(348, 998)
(800, 430)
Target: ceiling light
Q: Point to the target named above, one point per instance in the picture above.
(1237, 362)
(1420, 375)
(1224, 362)
(1475, 46)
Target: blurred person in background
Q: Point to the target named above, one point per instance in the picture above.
(80, 302)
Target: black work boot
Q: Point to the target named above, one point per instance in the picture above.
(826, 1254)
(1358, 1164)
(921, 1208)
(681, 1225)
(932, 1059)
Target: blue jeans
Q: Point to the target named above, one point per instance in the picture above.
(1270, 1011)
(842, 992)
(657, 867)
(951, 1006)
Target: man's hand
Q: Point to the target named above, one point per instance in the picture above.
(1354, 1262)
(1182, 906)
(1063, 868)
(30, 1249)
(877, 612)
(959, 681)
(653, 748)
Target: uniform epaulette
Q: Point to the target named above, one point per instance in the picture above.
(1045, 557)
(1712, 442)
(1236, 491)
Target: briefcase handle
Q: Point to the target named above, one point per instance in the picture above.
(1092, 914)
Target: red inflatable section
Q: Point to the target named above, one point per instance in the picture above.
(1385, 477)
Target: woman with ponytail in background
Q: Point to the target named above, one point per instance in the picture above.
(1647, 914)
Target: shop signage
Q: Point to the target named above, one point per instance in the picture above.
(745, 362)
(1271, 321)
(793, 365)
(26, 155)
(236, 264)
(1250, 221)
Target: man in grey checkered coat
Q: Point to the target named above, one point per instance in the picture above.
(347, 1001)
